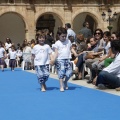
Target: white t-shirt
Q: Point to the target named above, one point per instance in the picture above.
(64, 49)
(19, 53)
(41, 54)
(114, 67)
(27, 49)
(107, 47)
(12, 54)
(2, 50)
(70, 32)
(27, 54)
(7, 45)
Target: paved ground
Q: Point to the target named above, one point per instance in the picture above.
(84, 83)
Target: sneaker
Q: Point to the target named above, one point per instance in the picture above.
(76, 78)
(101, 86)
(89, 81)
(86, 73)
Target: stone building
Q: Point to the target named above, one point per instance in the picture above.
(20, 19)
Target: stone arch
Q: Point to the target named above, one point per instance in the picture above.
(20, 15)
(56, 12)
(57, 16)
(13, 26)
(98, 20)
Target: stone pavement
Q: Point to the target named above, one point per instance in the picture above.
(83, 83)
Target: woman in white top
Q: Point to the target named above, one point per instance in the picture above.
(63, 49)
(27, 55)
(8, 44)
(2, 56)
(42, 53)
(97, 66)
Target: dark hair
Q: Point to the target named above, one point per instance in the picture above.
(13, 47)
(61, 30)
(40, 36)
(74, 45)
(0, 43)
(84, 24)
(98, 29)
(68, 25)
(18, 44)
(32, 41)
(107, 33)
(115, 44)
(118, 35)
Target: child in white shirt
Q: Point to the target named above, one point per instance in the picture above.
(12, 54)
(42, 53)
(63, 49)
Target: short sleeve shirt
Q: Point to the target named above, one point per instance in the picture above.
(2, 50)
(41, 54)
(64, 49)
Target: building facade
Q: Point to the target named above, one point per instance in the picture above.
(20, 19)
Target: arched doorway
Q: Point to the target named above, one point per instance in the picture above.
(81, 18)
(12, 26)
(49, 21)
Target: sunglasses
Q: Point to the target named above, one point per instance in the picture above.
(97, 33)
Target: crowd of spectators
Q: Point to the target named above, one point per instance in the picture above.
(99, 51)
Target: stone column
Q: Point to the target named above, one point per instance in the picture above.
(30, 34)
(26, 34)
(68, 16)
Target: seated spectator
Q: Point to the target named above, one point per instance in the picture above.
(110, 76)
(91, 52)
(97, 66)
(75, 48)
(98, 35)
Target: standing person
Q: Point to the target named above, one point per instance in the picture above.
(70, 32)
(27, 55)
(41, 53)
(62, 56)
(86, 31)
(8, 44)
(19, 56)
(13, 55)
(2, 56)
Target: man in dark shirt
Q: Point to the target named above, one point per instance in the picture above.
(86, 31)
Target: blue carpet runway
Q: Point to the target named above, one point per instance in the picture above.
(21, 99)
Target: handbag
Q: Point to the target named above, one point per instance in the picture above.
(91, 56)
(76, 60)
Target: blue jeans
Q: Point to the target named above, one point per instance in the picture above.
(108, 79)
(80, 63)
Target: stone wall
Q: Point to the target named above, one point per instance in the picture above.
(30, 14)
